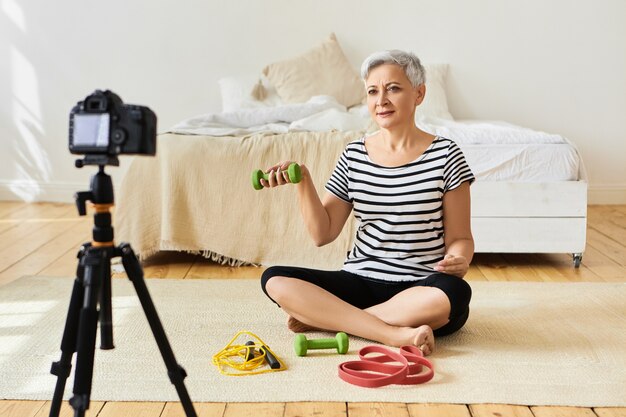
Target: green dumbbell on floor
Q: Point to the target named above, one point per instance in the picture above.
(293, 171)
(302, 345)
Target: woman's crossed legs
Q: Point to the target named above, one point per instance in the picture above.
(394, 314)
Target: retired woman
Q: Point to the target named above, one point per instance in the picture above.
(402, 281)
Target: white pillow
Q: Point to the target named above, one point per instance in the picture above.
(435, 103)
(247, 92)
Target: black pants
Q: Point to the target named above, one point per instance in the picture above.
(363, 292)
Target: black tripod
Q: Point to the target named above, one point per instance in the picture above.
(92, 288)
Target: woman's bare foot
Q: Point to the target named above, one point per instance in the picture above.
(297, 326)
(421, 337)
(424, 339)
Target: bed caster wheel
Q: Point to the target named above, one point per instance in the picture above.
(577, 257)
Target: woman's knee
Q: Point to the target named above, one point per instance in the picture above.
(463, 293)
(272, 283)
(271, 274)
(460, 295)
(275, 286)
(468, 289)
(458, 291)
(267, 275)
(453, 325)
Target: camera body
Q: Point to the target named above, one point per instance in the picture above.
(103, 125)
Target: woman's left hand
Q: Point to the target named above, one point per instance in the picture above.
(453, 265)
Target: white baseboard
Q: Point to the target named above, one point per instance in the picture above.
(59, 192)
(33, 191)
(606, 194)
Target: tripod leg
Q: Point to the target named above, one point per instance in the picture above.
(63, 367)
(106, 315)
(94, 262)
(175, 372)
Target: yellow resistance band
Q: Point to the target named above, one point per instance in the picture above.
(244, 359)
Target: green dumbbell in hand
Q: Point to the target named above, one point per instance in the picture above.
(293, 171)
(340, 342)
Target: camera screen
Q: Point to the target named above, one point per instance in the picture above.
(91, 130)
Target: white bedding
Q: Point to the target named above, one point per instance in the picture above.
(486, 132)
(496, 151)
(499, 151)
(320, 113)
(524, 162)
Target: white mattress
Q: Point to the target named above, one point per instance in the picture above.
(499, 151)
(523, 162)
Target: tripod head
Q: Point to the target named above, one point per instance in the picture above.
(101, 195)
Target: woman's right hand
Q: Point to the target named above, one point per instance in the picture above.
(277, 175)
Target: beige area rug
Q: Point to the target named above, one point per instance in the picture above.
(525, 343)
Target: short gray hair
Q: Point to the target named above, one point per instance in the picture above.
(409, 62)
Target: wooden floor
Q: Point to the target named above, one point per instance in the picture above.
(42, 239)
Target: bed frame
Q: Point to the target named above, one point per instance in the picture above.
(165, 204)
(546, 217)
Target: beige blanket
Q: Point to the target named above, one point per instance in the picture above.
(196, 195)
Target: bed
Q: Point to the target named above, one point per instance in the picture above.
(531, 190)
(196, 194)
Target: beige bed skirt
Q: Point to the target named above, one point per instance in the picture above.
(196, 195)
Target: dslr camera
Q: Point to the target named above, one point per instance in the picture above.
(102, 127)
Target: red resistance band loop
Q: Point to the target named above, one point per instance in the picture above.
(376, 371)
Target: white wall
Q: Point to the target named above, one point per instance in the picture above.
(557, 66)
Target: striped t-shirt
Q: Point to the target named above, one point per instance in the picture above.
(399, 210)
